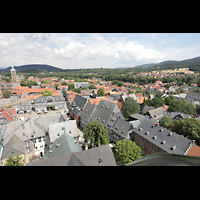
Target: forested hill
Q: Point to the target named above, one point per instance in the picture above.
(193, 64)
(32, 68)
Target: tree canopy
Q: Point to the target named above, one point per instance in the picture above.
(129, 107)
(189, 127)
(46, 93)
(7, 93)
(126, 151)
(101, 92)
(95, 134)
(14, 161)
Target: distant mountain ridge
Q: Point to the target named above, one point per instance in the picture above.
(32, 67)
(171, 63)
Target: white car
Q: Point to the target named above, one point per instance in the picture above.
(28, 111)
(21, 112)
(39, 112)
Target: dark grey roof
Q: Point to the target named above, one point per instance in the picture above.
(180, 143)
(147, 108)
(79, 101)
(99, 156)
(102, 112)
(174, 114)
(108, 114)
(193, 95)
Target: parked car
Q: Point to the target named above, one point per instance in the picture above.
(21, 112)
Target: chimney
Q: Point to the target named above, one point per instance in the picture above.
(193, 142)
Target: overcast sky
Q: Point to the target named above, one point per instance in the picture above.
(95, 50)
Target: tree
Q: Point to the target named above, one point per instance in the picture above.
(45, 81)
(95, 134)
(52, 107)
(14, 161)
(7, 93)
(64, 91)
(70, 86)
(157, 102)
(126, 151)
(56, 86)
(101, 92)
(23, 82)
(46, 93)
(189, 127)
(64, 83)
(129, 107)
(48, 107)
(91, 86)
(6, 79)
(165, 121)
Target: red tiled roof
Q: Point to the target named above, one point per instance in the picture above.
(194, 151)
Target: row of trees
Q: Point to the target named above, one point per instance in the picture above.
(180, 106)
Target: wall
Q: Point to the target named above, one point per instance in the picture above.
(147, 147)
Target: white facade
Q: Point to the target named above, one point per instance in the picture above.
(39, 145)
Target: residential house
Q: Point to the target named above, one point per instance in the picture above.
(178, 116)
(157, 113)
(147, 109)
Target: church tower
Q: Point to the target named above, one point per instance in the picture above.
(13, 74)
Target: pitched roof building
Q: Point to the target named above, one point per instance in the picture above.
(153, 138)
(110, 116)
(99, 156)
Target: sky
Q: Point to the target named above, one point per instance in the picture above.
(96, 50)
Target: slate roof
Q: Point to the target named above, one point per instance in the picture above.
(108, 114)
(64, 144)
(99, 156)
(79, 101)
(24, 129)
(174, 114)
(147, 108)
(180, 143)
(157, 113)
(16, 145)
(68, 127)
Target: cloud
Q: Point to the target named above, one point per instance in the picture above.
(37, 36)
(80, 50)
